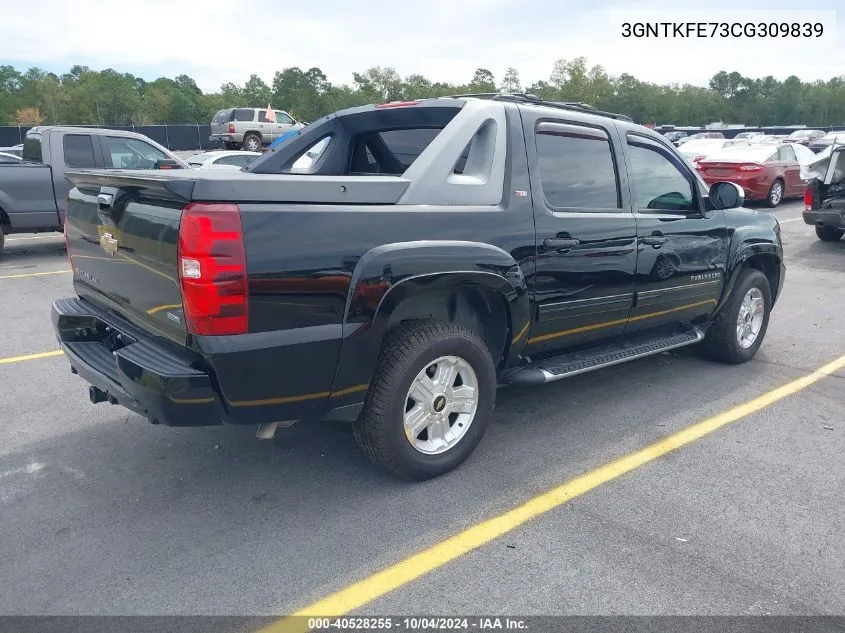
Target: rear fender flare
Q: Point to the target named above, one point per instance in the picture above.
(387, 276)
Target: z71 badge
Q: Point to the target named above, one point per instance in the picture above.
(705, 276)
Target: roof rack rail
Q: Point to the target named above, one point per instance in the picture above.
(524, 97)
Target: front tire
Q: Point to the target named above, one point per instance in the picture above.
(2, 239)
(829, 234)
(430, 400)
(740, 327)
(775, 195)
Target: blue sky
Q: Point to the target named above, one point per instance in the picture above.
(216, 40)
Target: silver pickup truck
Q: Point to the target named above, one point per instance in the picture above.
(33, 192)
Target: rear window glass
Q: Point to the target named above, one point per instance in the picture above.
(224, 116)
(407, 145)
(244, 114)
(79, 150)
(577, 169)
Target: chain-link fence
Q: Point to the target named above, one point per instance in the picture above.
(182, 136)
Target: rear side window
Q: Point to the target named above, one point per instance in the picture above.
(244, 114)
(79, 150)
(223, 116)
(576, 167)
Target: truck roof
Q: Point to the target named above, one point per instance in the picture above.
(78, 129)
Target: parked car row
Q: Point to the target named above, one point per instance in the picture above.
(816, 140)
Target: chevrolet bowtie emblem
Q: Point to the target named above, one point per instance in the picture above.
(108, 243)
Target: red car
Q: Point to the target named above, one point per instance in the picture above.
(765, 172)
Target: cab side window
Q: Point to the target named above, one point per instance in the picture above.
(659, 182)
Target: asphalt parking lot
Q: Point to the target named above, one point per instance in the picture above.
(103, 513)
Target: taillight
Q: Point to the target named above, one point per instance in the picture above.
(231, 128)
(212, 269)
(749, 167)
(808, 199)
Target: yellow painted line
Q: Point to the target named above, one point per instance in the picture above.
(598, 326)
(364, 591)
(51, 272)
(18, 359)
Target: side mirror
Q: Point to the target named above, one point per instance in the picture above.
(726, 195)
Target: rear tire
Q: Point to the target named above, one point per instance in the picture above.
(230, 146)
(829, 234)
(419, 437)
(729, 339)
(2, 239)
(252, 142)
(775, 195)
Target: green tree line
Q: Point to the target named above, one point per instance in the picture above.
(108, 97)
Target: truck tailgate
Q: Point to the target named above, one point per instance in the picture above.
(122, 241)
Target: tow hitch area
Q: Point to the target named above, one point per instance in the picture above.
(98, 395)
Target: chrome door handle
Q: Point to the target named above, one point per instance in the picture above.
(560, 243)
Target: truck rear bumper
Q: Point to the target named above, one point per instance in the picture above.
(825, 217)
(136, 373)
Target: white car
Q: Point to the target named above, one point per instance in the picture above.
(223, 159)
(9, 159)
(697, 149)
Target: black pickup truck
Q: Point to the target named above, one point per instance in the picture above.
(33, 192)
(392, 265)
